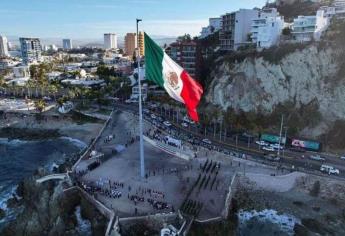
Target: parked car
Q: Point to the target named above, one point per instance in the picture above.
(317, 158)
(167, 123)
(205, 140)
(342, 157)
(153, 116)
(329, 170)
(268, 148)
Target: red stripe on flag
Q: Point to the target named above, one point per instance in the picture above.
(191, 94)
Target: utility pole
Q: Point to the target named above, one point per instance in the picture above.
(142, 161)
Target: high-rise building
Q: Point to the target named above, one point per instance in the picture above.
(67, 44)
(3, 46)
(130, 43)
(141, 44)
(236, 27)
(9, 45)
(31, 49)
(110, 41)
(185, 54)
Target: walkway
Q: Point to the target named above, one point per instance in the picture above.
(52, 177)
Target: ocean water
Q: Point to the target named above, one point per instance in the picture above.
(19, 159)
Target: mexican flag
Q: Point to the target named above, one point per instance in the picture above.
(162, 70)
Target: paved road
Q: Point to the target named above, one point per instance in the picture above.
(289, 158)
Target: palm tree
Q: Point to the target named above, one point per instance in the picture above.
(40, 105)
(52, 89)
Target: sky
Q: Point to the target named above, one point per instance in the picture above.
(89, 19)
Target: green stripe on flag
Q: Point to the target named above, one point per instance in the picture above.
(153, 61)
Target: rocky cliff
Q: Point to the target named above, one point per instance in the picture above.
(296, 77)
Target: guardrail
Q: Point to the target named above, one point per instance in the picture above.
(166, 148)
(51, 177)
(232, 188)
(88, 150)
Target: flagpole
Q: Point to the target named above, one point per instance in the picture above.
(141, 145)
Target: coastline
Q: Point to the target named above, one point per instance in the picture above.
(48, 127)
(26, 129)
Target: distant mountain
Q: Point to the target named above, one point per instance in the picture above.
(92, 42)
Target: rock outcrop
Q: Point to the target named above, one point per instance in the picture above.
(296, 76)
(301, 77)
(47, 210)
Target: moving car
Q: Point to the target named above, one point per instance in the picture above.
(342, 157)
(153, 116)
(167, 123)
(272, 157)
(317, 158)
(329, 169)
(153, 105)
(276, 146)
(130, 101)
(261, 143)
(184, 124)
(205, 140)
(187, 120)
(270, 149)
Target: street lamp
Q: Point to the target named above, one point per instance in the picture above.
(285, 127)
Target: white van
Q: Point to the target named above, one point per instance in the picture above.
(329, 169)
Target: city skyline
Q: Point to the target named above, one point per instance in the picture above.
(61, 19)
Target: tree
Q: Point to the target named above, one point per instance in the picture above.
(286, 31)
(2, 81)
(184, 38)
(40, 105)
(52, 89)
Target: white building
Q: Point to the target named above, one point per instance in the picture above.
(236, 27)
(21, 71)
(215, 24)
(339, 7)
(303, 28)
(67, 44)
(323, 20)
(267, 28)
(54, 75)
(3, 46)
(110, 41)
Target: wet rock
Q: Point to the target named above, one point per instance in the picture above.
(12, 202)
(2, 213)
